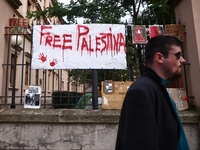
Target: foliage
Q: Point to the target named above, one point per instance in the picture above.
(154, 11)
(157, 12)
(104, 11)
(57, 10)
(133, 8)
(110, 11)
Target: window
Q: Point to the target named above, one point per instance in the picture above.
(49, 81)
(63, 86)
(43, 81)
(29, 6)
(13, 67)
(26, 73)
(57, 85)
(44, 3)
(36, 77)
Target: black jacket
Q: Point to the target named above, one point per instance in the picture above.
(148, 120)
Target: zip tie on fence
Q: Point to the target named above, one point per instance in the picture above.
(186, 98)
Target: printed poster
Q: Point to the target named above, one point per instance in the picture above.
(109, 87)
(176, 30)
(156, 30)
(91, 46)
(139, 35)
(32, 97)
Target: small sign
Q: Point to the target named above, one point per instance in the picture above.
(21, 22)
(108, 87)
(176, 30)
(17, 26)
(156, 30)
(32, 97)
(139, 35)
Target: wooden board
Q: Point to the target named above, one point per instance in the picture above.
(115, 97)
(179, 97)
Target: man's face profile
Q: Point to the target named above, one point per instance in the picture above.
(173, 64)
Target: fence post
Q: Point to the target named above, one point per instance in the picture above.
(94, 80)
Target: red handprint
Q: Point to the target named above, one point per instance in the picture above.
(42, 57)
(54, 62)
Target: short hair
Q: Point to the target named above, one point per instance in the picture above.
(160, 44)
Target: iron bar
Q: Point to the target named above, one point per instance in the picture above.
(76, 83)
(45, 88)
(31, 54)
(8, 56)
(14, 76)
(95, 88)
(68, 85)
(60, 88)
(136, 67)
(53, 87)
(94, 79)
(22, 79)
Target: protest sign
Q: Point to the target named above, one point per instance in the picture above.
(139, 35)
(17, 26)
(156, 30)
(176, 30)
(95, 46)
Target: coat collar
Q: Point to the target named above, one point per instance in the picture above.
(148, 72)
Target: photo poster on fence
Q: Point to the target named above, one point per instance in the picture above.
(156, 30)
(176, 30)
(179, 97)
(32, 97)
(108, 88)
(87, 46)
(139, 35)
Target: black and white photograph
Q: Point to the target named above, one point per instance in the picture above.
(32, 97)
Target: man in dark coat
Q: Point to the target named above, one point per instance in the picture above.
(148, 118)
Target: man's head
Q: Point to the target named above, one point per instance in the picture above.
(164, 55)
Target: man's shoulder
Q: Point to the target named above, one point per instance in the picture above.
(143, 80)
(143, 83)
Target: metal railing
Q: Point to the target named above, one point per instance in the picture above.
(75, 87)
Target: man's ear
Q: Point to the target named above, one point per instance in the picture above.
(159, 57)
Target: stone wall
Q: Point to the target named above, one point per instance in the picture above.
(71, 129)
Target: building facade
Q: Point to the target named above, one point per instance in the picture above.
(15, 58)
(190, 17)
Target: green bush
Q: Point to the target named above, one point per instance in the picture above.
(65, 99)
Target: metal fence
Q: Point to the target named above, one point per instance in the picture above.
(76, 91)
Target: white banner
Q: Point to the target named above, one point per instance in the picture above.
(95, 46)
